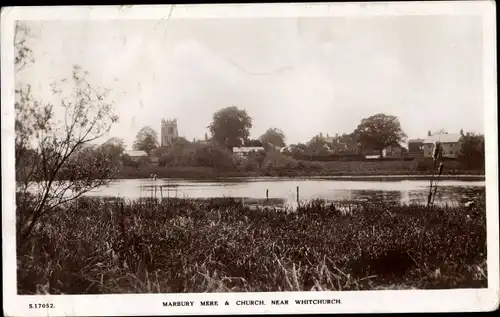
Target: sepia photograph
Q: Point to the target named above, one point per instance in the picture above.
(181, 151)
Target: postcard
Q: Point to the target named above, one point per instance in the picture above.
(249, 159)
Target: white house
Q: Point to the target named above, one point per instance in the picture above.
(451, 143)
(245, 150)
(135, 155)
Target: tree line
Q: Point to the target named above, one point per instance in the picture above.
(230, 127)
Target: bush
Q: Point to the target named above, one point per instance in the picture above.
(426, 164)
(213, 156)
(249, 165)
(128, 161)
(197, 155)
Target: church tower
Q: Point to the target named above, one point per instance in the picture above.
(168, 131)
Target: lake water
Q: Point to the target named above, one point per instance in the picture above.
(405, 191)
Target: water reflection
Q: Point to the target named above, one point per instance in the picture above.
(449, 192)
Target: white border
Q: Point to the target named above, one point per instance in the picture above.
(151, 304)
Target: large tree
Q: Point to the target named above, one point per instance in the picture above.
(113, 147)
(230, 126)
(318, 146)
(146, 140)
(379, 131)
(273, 136)
(472, 154)
(60, 166)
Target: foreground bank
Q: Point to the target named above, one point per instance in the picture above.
(101, 246)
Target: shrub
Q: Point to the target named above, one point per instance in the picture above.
(214, 156)
(249, 165)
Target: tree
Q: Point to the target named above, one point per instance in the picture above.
(62, 167)
(379, 131)
(252, 142)
(273, 136)
(230, 127)
(472, 154)
(113, 148)
(258, 157)
(180, 142)
(146, 140)
(23, 53)
(318, 146)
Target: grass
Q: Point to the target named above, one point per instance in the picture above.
(96, 246)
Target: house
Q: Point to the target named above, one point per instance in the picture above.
(372, 154)
(135, 155)
(396, 150)
(451, 143)
(389, 151)
(416, 146)
(244, 151)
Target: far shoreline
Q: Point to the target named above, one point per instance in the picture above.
(243, 178)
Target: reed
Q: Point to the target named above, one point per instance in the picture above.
(98, 246)
(433, 187)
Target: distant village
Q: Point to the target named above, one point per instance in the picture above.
(344, 144)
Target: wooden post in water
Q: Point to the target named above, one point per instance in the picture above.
(298, 198)
(161, 192)
(140, 190)
(267, 194)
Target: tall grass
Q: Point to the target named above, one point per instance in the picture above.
(97, 246)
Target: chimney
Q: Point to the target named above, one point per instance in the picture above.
(462, 132)
(429, 133)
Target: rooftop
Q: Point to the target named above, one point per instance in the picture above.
(247, 149)
(135, 153)
(416, 140)
(443, 138)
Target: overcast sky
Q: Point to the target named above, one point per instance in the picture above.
(304, 76)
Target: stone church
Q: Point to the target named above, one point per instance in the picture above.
(168, 131)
